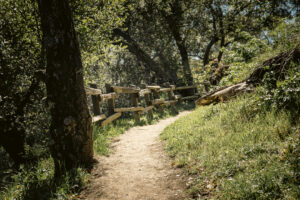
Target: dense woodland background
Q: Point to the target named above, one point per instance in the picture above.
(209, 43)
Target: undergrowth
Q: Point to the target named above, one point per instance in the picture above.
(37, 182)
(237, 150)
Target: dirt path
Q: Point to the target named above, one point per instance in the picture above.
(138, 169)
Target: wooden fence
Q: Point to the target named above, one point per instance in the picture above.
(151, 95)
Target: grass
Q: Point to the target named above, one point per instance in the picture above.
(236, 151)
(37, 182)
(103, 135)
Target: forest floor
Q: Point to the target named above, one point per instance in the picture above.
(138, 168)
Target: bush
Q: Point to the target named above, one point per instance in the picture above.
(282, 94)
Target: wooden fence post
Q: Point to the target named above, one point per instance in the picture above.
(171, 95)
(156, 96)
(135, 101)
(148, 103)
(110, 102)
(96, 100)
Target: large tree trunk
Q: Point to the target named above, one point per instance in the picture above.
(71, 125)
(185, 62)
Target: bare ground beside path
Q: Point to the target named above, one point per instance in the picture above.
(138, 169)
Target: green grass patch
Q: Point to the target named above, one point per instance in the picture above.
(37, 182)
(235, 151)
(103, 135)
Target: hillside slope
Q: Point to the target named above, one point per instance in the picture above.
(237, 150)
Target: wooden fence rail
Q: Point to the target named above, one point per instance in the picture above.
(151, 95)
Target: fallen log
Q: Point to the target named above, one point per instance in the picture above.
(223, 94)
(278, 64)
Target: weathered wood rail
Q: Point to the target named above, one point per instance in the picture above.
(151, 95)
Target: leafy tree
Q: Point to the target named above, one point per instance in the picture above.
(228, 20)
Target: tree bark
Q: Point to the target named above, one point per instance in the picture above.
(207, 50)
(71, 124)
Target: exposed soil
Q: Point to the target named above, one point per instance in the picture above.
(138, 168)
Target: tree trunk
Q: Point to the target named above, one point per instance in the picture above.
(207, 50)
(173, 23)
(185, 62)
(142, 56)
(71, 126)
(222, 44)
(182, 50)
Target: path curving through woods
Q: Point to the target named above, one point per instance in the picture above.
(138, 169)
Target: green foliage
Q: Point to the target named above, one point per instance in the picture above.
(237, 151)
(285, 35)
(21, 97)
(283, 94)
(244, 52)
(94, 22)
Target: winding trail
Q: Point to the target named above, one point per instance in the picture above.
(138, 169)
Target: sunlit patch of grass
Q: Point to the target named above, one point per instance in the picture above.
(233, 151)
